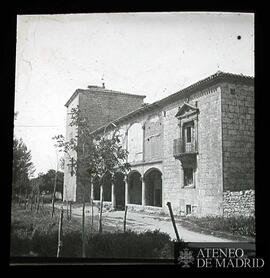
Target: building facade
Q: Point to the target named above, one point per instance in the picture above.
(194, 148)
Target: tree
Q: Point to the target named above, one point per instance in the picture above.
(46, 181)
(97, 156)
(23, 168)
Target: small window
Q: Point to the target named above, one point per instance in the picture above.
(232, 91)
(188, 209)
(188, 130)
(188, 177)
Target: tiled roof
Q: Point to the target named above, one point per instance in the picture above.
(211, 80)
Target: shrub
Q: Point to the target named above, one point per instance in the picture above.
(150, 244)
(237, 225)
(105, 245)
(36, 235)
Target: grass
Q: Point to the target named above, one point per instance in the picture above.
(35, 234)
(237, 225)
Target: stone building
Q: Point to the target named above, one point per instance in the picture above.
(194, 148)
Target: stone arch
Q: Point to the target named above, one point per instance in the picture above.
(153, 187)
(119, 190)
(96, 188)
(107, 187)
(134, 188)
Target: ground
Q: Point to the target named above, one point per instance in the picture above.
(113, 220)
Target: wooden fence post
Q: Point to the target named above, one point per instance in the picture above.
(100, 214)
(125, 218)
(60, 234)
(92, 216)
(91, 204)
(37, 203)
(173, 221)
(54, 190)
(31, 198)
(42, 202)
(70, 209)
(25, 200)
(83, 224)
(67, 208)
(20, 194)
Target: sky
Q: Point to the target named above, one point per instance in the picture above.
(154, 54)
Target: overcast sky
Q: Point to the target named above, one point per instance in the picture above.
(155, 54)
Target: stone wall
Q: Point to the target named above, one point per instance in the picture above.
(153, 138)
(70, 181)
(225, 147)
(206, 197)
(237, 103)
(102, 106)
(99, 106)
(135, 142)
(239, 203)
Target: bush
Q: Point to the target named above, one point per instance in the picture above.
(150, 244)
(106, 245)
(36, 235)
(237, 225)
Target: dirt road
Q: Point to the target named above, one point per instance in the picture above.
(113, 220)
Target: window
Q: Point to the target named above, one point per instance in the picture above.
(188, 130)
(153, 140)
(232, 91)
(188, 209)
(188, 177)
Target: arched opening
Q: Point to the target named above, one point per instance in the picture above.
(134, 188)
(107, 187)
(96, 188)
(153, 188)
(119, 190)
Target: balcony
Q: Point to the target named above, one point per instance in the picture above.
(182, 148)
(185, 152)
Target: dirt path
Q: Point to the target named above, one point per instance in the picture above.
(141, 222)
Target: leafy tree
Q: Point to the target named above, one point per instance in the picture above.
(97, 156)
(46, 181)
(23, 167)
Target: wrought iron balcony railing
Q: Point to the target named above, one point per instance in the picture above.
(180, 147)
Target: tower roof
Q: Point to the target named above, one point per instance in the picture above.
(92, 89)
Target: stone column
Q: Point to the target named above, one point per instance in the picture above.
(143, 155)
(162, 190)
(126, 191)
(143, 190)
(113, 195)
(92, 190)
(101, 191)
